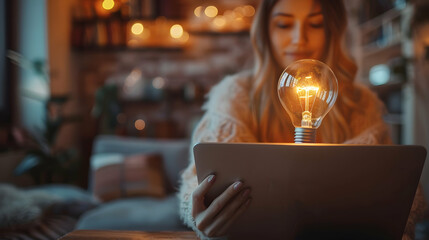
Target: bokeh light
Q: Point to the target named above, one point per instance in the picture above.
(108, 4)
(158, 83)
(176, 31)
(238, 12)
(185, 37)
(139, 124)
(219, 21)
(137, 28)
(198, 10)
(248, 11)
(211, 11)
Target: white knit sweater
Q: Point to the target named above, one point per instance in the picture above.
(229, 119)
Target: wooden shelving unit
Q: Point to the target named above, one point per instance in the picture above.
(101, 50)
(384, 41)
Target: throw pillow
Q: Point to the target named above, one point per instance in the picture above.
(128, 176)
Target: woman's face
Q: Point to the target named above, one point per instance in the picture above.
(296, 31)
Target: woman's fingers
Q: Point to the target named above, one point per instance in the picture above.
(220, 202)
(206, 219)
(199, 193)
(228, 212)
(225, 228)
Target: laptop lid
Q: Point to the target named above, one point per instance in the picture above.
(316, 191)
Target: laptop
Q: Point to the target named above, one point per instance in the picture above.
(316, 191)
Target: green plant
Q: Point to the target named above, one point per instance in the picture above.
(45, 162)
(106, 108)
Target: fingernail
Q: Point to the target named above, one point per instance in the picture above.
(245, 193)
(237, 185)
(210, 178)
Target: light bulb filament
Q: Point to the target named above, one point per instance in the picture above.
(307, 97)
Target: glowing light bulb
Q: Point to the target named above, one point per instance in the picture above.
(307, 97)
(307, 90)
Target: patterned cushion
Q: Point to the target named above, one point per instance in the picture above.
(128, 176)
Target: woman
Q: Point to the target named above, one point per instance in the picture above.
(245, 107)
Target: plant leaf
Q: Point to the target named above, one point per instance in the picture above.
(29, 162)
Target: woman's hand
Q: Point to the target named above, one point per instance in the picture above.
(216, 219)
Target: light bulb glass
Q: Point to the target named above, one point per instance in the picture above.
(307, 89)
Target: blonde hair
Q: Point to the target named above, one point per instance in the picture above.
(273, 123)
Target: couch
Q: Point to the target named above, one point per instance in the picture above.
(142, 213)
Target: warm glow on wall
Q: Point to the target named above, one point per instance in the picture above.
(108, 4)
(137, 28)
(139, 124)
(198, 10)
(211, 11)
(176, 31)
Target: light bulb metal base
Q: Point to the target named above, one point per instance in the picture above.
(305, 135)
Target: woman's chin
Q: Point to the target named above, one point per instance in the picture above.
(287, 60)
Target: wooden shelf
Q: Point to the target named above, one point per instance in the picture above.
(96, 19)
(387, 16)
(244, 33)
(219, 34)
(388, 87)
(374, 49)
(128, 49)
